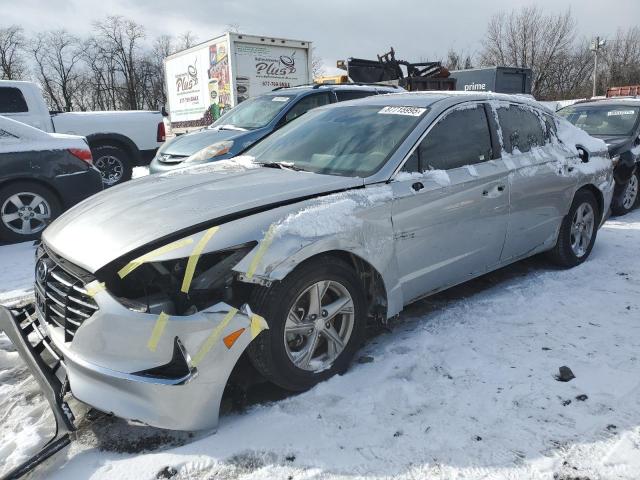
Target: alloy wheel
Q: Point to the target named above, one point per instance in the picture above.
(111, 169)
(582, 228)
(319, 325)
(630, 193)
(25, 213)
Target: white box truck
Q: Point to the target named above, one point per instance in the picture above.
(206, 80)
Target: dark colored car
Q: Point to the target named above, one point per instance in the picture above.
(617, 122)
(252, 120)
(41, 175)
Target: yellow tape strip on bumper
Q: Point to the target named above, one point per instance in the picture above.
(158, 329)
(258, 324)
(95, 288)
(133, 264)
(213, 337)
(266, 241)
(193, 259)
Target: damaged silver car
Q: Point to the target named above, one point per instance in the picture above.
(148, 293)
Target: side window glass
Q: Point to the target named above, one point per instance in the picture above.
(344, 95)
(461, 138)
(306, 104)
(412, 164)
(550, 128)
(12, 100)
(521, 129)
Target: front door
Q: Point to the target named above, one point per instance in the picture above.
(451, 205)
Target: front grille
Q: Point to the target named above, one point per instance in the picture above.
(61, 298)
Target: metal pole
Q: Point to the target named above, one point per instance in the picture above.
(595, 66)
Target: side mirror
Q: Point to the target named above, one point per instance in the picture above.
(583, 154)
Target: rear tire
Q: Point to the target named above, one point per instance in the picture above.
(626, 197)
(26, 208)
(578, 231)
(295, 324)
(114, 164)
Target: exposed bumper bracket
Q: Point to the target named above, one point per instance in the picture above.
(18, 324)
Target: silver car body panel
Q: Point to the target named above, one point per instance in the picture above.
(476, 220)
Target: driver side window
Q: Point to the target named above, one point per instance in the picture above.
(461, 138)
(306, 104)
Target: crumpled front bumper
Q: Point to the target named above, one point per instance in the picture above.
(34, 346)
(120, 362)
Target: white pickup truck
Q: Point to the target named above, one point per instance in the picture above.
(119, 140)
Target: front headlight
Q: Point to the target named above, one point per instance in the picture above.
(215, 150)
(158, 286)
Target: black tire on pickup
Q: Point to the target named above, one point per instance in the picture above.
(114, 162)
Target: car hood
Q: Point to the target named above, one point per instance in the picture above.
(190, 143)
(615, 143)
(129, 216)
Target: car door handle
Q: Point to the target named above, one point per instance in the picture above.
(417, 186)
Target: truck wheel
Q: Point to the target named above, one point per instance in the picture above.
(577, 232)
(113, 162)
(316, 318)
(26, 208)
(625, 198)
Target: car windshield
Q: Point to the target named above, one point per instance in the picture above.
(602, 119)
(253, 113)
(354, 140)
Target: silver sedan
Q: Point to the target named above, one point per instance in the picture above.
(149, 292)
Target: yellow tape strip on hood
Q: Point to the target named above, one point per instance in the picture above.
(133, 264)
(195, 256)
(258, 324)
(264, 245)
(95, 288)
(213, 338)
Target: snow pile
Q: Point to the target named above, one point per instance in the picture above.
(332, 214)
(235, 164)
(19, 137)
(441, 177)
(17, 265)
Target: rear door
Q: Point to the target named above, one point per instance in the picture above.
(451, 204)
(541, 188)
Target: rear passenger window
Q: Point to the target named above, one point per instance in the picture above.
(306, 104)
(461, 138)
(12, 100)
(344, 95)
(521, 129)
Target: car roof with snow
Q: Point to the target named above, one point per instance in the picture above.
(623, 101)
(428, 98)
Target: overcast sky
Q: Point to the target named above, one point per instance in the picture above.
(417, 29)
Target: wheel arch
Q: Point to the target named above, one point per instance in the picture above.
(38, 181)
(116, 140)
(597, 194)
(375, 289)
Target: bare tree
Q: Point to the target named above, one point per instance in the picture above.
(458, 60)
(621, 59)
(529, 38)
(57, 56)
(121, 39)
(12, 62)
(317, 64)
(185, 40)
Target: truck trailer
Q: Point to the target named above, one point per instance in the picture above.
(208, 79)
(494, 79)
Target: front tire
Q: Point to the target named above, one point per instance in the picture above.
(316, 318)
(114, 164)
(577, 232)
(26, 208)
(626, 197)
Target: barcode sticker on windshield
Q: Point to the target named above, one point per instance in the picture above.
(620, 112)
(280, 99)
(410, 111)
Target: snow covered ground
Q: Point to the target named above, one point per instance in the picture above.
(462, 387)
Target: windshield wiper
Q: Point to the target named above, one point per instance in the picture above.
(282, 165)
(228, 127)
